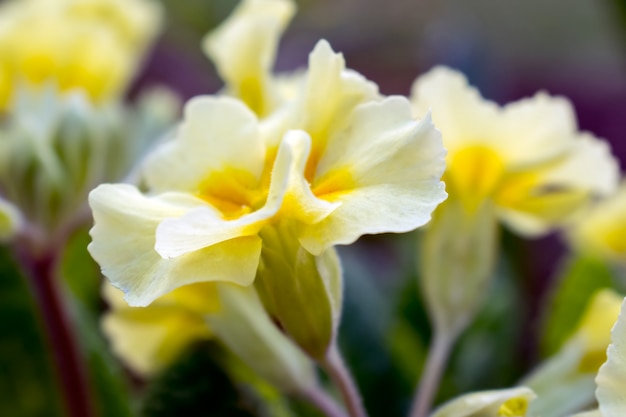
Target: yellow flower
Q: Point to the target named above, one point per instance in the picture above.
(601, 230)
(10, 220)
(527, 157)
(92, 45)
(151, 338)
(569, 374)
(512, 402)
(148, 339)
(339, 166)
(611, 378)
(243, 49)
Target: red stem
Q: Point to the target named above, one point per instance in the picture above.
(67, 360)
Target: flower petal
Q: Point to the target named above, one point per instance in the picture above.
(458, 109)
(534, 202)
(149, 339)
(243, 49)
(218, 133)
(385, 170)
(10, 220)
(124, 240)
(539, 123)
(611, 379)
(505, 402)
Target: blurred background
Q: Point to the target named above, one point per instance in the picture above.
(509, 50)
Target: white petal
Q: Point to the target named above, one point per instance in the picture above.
(124, 238)
(611, 379)
(10, 220)
(217, 134)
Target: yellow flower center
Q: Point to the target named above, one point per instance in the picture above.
(515, 407)
(474, 173)
(615, 238)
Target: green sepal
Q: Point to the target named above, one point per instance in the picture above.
(302, 292)
(457, 259)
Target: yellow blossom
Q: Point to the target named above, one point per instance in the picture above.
(92, 45)
(611, 378)
(564, 382)
(512, 402)
(528, 157)
(10, 220)
(353, 169)
(601, 230)
(149, 339)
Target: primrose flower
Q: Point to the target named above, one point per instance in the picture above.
(10, 220)
(92, 45)
(565, 382)
(243, 49)
(611, 378)
(512, 402)
(527, 158)
(230, 187)
(601, 230)
(149, 339)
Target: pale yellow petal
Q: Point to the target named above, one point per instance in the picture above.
(218, 134)
(124, 236)
(330, 94)
(536, 129)
(10, 220)
(243, 49)
(458, 110)
(148, 339)
(385, 171)
(512, 402)
(534, 202)
(611, 379)
(601, 229)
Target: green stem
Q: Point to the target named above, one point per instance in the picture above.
(438, 354)
(338, 372)
(323, 402)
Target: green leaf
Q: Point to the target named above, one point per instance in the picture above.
(28, 386)
(579, 278)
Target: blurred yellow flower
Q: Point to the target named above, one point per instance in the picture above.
(92, 45)
(601, 230)
(512, 402)
(565, 382)
(10, 220)
(151, 338)
(527, 157)
(338, 166)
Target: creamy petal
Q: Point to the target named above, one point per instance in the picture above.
(243, 49)
(536, 129)
(611, 379)
(458, 109)
(124, 236)
(557, 192)
(151, 338)
(10, 220)
(505, 402)
(385, 171)
(218, 133)
(330, 93)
